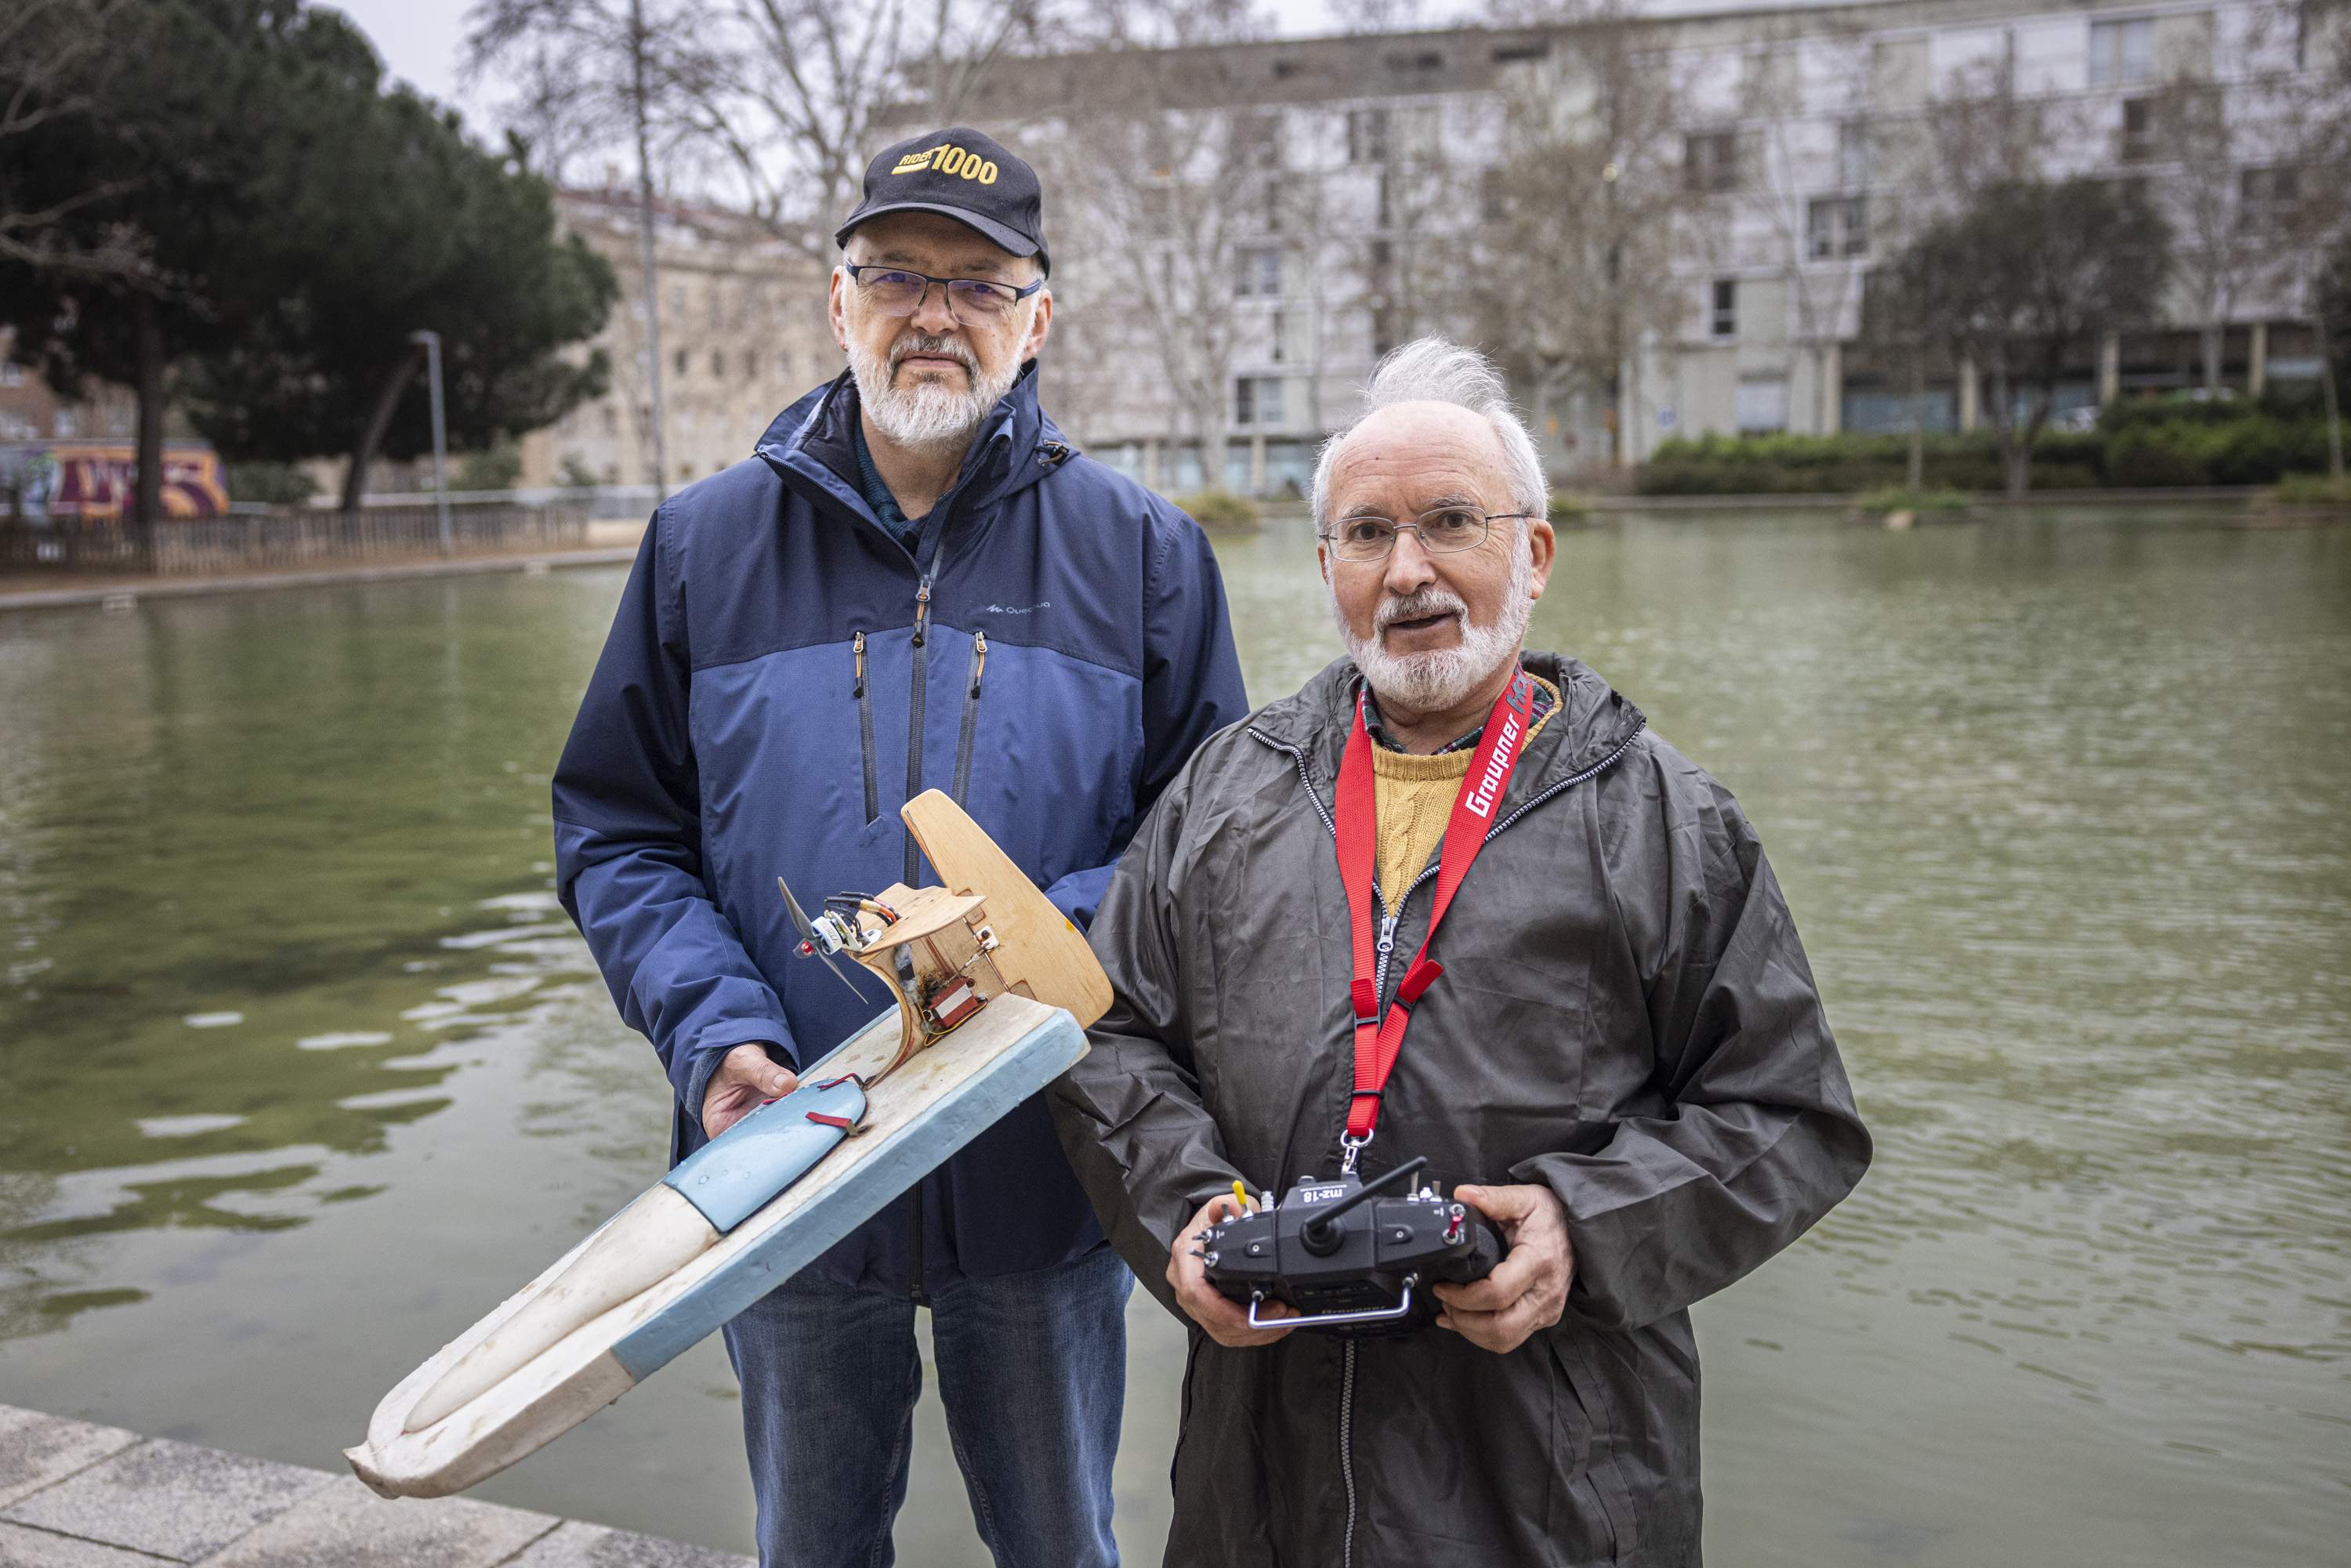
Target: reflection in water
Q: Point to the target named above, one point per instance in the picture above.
(300, 1065)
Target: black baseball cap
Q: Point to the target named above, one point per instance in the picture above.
(969, 177)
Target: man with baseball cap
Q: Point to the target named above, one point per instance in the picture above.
(915, 583)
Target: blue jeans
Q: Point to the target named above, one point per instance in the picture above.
(1032, 1371)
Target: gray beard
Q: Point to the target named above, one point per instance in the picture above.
(927, 413)
(1443, 677)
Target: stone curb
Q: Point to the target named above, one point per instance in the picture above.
(76, 1495)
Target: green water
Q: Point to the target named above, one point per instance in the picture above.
(302, 1068)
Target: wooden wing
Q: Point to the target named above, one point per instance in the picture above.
(1041, 955)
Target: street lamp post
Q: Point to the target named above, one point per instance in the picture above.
(431, 344)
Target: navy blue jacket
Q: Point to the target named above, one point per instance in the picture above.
(725, 738)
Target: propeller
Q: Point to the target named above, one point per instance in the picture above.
(809, 945)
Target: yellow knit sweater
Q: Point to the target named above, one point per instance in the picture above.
(1415, 797)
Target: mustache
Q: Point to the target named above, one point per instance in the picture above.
(923, 343)
(1418, 605)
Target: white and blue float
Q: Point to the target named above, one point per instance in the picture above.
(994, 989)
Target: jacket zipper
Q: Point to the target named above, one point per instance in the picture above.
(914, 717)
(1347, 1446)
(970, 719)
(914, 774)
(865, 730)
(913, 852)
(1384, 947)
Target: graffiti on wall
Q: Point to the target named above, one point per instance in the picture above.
(97, 482)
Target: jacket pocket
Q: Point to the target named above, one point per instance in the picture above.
(866, 728)
(1597, 1504)
(970, 719)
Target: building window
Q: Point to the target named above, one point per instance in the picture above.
(2138, 144)
(718, 364)
(784, 365)
(677, 364)
(1368, 136)
(1710, 161)
(1764, 405)
(1258, 139)
(2122, 54)
(1259, 272)
(678, 297)
(750, 365)
(1280, 333)
(1493, 196)
(1853, 155)
(1836, 225)
(2266, 196)
(12, 374)
(1386, 217)
(1379, 266)
(1722, 321)
(1388, 331)
(64, 423)
(1257, 400)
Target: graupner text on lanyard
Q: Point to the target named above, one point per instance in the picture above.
(1379, 1040)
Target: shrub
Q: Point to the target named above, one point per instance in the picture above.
(1568, 508)
(2315, 490)
(2149, 445)
(493, 468)
(1220, 509)
(270, 484)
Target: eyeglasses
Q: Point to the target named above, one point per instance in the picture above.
(1442, 531)
(894, 291)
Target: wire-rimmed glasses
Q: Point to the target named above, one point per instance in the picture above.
(1442, 531)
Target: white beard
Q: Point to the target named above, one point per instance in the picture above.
(929, 412)
(1443, 677)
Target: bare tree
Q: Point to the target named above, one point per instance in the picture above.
(2310, 202)
(594, 74)
(796, 96)
(1177, 201)
(2023, 280)
(1580, 209)
(1806, 206)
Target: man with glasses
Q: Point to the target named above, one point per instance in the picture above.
(1453, 901)
(914, 583)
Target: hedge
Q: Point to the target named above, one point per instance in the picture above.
(2136, 446)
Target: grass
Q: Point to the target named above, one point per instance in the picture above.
(1899, 498)
(1220, 509)
(2315, 490)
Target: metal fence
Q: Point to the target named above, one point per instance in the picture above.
(290, 537)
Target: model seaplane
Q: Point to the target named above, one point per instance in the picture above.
(994, 989)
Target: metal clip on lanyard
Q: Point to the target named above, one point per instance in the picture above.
(1380, 1040)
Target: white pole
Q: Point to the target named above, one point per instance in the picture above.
(432, 341)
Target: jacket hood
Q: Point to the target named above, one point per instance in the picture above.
(1595, 720)
(811, 444)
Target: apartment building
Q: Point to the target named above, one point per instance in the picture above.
(742, 330)
(1241, 229)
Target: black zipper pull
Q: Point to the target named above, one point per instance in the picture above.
(922, 611)
(979, 659)
(857, 647)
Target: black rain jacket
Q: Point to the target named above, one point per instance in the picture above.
(1626, 1016)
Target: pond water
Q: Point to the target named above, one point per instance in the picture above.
(302, 1068)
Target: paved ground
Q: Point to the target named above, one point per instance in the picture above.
(77, 1496)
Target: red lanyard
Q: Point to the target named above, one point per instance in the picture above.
(1379, 1040)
